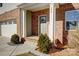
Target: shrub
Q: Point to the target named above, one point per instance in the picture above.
(22, 40)
(15, 39)
(44, 43)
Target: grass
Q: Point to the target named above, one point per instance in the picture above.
(27, 54)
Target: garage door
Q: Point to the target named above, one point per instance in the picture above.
(8, 28)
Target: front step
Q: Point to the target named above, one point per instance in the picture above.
(32, 38)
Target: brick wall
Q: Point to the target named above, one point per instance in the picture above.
(13, 14)
(35, 19)
(61, 34)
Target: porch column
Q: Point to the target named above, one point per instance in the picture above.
(24, 22)
(52, 18)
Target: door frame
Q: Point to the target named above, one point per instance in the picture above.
(39, 22)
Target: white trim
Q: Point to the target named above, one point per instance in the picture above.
(34, 6)
(54, 23)
(38, 25)
(24, 22)
(52, 19)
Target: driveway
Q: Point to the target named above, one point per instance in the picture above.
(8, 49)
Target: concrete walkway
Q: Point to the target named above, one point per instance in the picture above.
(6, 49)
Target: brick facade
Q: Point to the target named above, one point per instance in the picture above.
(61, 34)
(13, 14)
(35, 19)
(10, 15)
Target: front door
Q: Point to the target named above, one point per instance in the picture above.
(43, 24)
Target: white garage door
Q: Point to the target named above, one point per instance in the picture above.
(8, 28)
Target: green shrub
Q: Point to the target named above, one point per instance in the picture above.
(22, 40)
(44, 43)
(15, 39)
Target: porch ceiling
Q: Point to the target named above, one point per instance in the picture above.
(34, 6)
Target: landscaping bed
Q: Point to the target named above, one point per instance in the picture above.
(65, 52)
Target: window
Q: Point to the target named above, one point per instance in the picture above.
(14, 22)
(4, 23)
(10, 22)
(72, 20)
(71, 25)
(43, 19)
